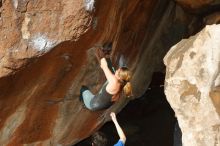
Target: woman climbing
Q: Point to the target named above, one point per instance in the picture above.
(116, 82)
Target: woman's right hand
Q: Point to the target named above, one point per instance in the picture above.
(103, 63)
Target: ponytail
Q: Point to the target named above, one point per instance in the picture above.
(125, 77)
(128, 89)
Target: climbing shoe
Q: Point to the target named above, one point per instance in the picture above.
(122, 61)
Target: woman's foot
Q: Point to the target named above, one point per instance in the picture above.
(83, 88)
(122, 61)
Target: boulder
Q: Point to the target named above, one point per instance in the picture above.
(192, 86)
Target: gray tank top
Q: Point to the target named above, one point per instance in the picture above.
(102, 100)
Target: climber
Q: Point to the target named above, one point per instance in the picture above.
(99, 138)
(110, 91)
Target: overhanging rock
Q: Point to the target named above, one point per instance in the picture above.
(47, 53)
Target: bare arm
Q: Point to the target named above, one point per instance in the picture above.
(109, 75)
(118, 127)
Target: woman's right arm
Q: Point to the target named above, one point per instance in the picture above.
(108, 74)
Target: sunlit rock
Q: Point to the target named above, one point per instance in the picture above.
(192, 86)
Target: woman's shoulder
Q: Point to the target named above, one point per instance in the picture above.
(113, 80)
(113, 87)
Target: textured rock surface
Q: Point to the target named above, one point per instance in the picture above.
(212, 19)
(195, 4)
(192, 86)
(47, 54)
(31, 28)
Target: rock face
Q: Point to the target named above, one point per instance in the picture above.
(213, 18)
(47, 53)
(192, 86)
(195, 4)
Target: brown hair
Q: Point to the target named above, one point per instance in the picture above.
(125, 77)
(99, 139)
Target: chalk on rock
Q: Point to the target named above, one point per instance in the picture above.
(89, 5)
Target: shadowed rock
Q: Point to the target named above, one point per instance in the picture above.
(196, 4)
